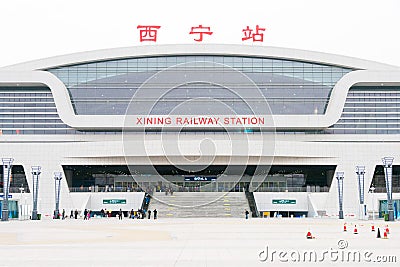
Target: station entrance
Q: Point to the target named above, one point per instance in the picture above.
(214, 178)
(13, 211)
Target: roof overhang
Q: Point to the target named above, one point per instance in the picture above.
(200, 49)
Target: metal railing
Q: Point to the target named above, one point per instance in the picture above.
(100, 189)
(104, 189)
(15, 190)
(310, 189)
(383, 190)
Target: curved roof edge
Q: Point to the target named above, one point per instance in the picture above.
(193, 49)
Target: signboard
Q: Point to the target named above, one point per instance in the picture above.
(198, 121)
(2, 196)
(283, 201)
(148, 33)
(114, 201)
(200, 179)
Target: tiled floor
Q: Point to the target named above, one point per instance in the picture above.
(193, 242)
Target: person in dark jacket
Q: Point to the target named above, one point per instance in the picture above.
(155, 214)
(149, 214)
(85, 214)
(120, 214)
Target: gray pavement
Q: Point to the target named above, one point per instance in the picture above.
(196, 242)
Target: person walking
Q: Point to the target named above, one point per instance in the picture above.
(120, 214)
(132, 214)
(149, 214)
(71, 216)
(246, 212)
(89, 214)
(85, 214)
(155, 214)
(63, 214)
(76, 214)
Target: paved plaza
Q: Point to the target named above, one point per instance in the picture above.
(196, 242)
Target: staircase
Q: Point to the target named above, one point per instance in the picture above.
(252, 204)
(200, 204)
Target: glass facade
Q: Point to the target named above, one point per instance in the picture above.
(29, 110)
(12, 209)
(290, 87)
(17, 181)
(379, 180)
(106, 178)
(370, 110)
(367, 110)
(383, 208)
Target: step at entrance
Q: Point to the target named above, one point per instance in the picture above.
(200, 204)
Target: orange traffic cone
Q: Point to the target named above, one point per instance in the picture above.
(372, 228)
(309, 235)
(387, 229)
(385, 235)
(355, 229)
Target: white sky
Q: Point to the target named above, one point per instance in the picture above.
(34, 29)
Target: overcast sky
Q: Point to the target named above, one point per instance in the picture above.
(43, 28)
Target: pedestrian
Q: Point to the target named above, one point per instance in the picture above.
(155, 214)
(76, 214)
(63, 214)
(149, 215)
(72, 214)
(246, 212)
(140, 214)
(85, 214)
(120, 214)
(132, 214)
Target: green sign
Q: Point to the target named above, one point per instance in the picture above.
(283, 201)
(114, 201)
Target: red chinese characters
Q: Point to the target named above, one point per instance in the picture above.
(200, 30)
(256, 36)
(148, 33)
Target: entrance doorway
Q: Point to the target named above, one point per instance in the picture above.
(12, 209)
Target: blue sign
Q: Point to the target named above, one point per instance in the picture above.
(2, 196)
